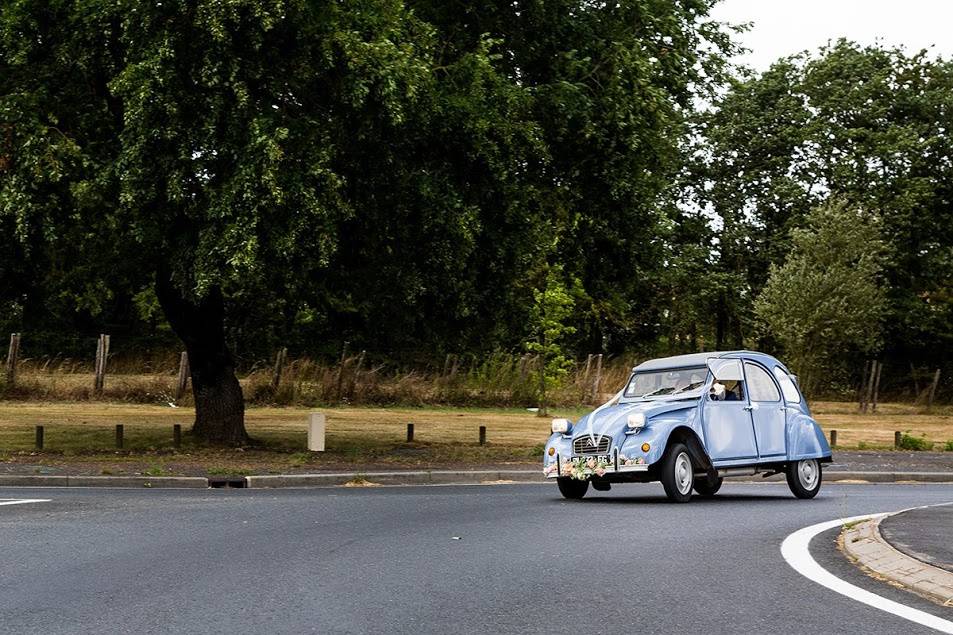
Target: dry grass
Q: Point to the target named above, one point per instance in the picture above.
(499, 380)
(82, 434)
(877, 430)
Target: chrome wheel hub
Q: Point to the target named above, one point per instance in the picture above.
(807, 473)
(683, 473)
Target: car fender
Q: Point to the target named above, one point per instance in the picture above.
(806, 439)
(672, 427)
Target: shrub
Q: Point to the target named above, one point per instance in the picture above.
(910, 442)
(949, 446)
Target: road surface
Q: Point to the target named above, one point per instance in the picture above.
(456, 559)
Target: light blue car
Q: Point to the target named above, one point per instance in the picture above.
(690, 421)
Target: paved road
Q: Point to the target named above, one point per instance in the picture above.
(387, 561)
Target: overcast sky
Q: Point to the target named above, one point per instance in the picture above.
(785, 27)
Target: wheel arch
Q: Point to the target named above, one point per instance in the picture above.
(685, 435)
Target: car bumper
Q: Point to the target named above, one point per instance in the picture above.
(605, 464)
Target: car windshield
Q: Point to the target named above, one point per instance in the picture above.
(685, 382)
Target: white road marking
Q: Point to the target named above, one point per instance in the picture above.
(795, 550)
(22, 501)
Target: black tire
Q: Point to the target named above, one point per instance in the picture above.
(804, 477)
(707, 486)
(571, 488)
(678, 475)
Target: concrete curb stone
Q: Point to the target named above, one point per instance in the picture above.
(866, 546)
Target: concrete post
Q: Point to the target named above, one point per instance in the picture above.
(316, 431)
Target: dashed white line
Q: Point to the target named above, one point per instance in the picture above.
(796, 552)
(22, 501)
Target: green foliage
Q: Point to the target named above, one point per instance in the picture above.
(868, 125)
(552, 307)
(826, 298)
(910, 442)
(948, 446)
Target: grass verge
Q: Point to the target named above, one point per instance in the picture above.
(81, 435)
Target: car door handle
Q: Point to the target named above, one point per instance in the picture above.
(748, 408)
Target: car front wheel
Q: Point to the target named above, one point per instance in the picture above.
(678, 474)
(804, 477)
(571, 488)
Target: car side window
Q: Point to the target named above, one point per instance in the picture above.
(791, 393)
(760, 385)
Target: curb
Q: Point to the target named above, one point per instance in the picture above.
(179, 482)
(423, 477)
(866, 547)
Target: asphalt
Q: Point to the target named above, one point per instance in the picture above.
(925, 534)
(453, 559)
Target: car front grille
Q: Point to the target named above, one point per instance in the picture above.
(584, 445)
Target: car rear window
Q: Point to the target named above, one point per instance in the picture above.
(790, 391)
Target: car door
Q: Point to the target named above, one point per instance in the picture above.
(729, 434)
(767, 412)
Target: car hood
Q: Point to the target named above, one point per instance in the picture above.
(612, 420)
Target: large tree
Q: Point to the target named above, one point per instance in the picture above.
(406, 172)
(196, 142)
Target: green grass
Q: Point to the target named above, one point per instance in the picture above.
(910, 442)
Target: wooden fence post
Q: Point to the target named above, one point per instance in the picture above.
(102, 354)
(936, 380)
(13, 355)
(541, 361)
(598, 380)
(861, 401)
(119, 435)
(869, 392)
(585, 379)
(897, 437)
(482, 435)
(177, 435)
(410, 433)
(39, 437)
(880, 367)
(183, 380)
(833, 438)
(341, 371)
(279, 367)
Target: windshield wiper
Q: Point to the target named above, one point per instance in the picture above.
(659, 392)
(697, 384)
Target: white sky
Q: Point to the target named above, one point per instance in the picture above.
(786, 27)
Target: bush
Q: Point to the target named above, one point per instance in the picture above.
(910, 442)
(949, 446)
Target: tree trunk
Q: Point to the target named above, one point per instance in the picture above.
(219, 403)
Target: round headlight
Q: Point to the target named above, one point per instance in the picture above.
(561, 426)
(636, 421)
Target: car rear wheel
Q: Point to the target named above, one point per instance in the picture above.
(804, 477)
(707, 486)
(678, 474)
(571, 488)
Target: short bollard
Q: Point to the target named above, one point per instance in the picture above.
(896, 439)
(833, 438)
(119, 436)
(482, 435)
(177, 435)
(410, 432)
(39, 437)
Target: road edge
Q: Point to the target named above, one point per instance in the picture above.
(419, 477)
